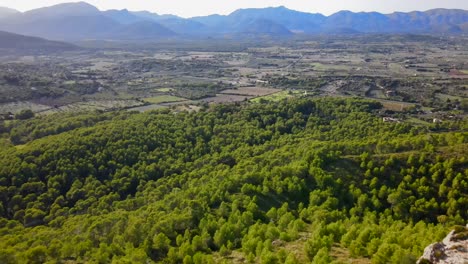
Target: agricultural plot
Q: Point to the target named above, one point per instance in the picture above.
(447, 97)
(225, 98)
(16, 107)
(395, 105)
(251, 91)
(274, 97)
(147, 108)
(392, 68)
(187, 108)
(101, 65)
(163, 99)
(164, 90)
(376, 93)
(103, 105)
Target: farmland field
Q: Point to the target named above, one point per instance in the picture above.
(274, 97)
(163, 99)
(394, 105)
(164, 90)
(382, 69)
(225, 98)
(251, 91)
(147, 108)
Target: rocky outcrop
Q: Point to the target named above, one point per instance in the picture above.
(452, 250)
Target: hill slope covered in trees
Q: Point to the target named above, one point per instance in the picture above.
(291, 182)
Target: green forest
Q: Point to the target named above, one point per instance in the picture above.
(297, 181)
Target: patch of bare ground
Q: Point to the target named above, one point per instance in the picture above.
(297, 249)
(251, 91)
(342, 255)
(225, 98)
(394, 105)
(235, 257)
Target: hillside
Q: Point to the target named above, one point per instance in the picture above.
(142, 30)
(22, 43)
(296, 181)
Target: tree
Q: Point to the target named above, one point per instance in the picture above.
(24, 114)
(36, 254)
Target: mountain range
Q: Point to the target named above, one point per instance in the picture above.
(80, 21)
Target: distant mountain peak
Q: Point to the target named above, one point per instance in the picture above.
(80, 20)
(8, 10)
(73, 8)
(80, 4)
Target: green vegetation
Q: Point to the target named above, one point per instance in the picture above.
(164, 90)
(324, 67)
(293, 83)
(274, 97)
(199, 90)
(20, 132)
(25, 114)
(231, 182)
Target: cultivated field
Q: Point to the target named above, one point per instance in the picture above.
(402, 72)
(251, 91)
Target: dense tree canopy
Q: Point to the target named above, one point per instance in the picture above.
(245, 181)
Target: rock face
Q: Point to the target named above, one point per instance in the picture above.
(452, 250)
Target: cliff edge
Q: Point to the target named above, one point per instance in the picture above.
(452, 250)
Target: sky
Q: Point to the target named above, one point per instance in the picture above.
(190, 8)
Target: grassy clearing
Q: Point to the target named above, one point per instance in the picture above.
(464, 71)
(235, 257)
(395, 67)
(147, 108)
(164, 90)
(417, 121)
(20, 146)
(295, 248)
(318, 67)
(93, 105)
(329, 67)
(444, 97)
(251, 91)
(395, 105)
(225, 98)
(377, 93)
(274, 97)
(342, 255)
(163, 99)
(101, 65)
(16, 107)
(188, 108)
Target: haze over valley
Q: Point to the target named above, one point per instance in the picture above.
(78, 21)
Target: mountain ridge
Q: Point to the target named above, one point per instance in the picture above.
(16, 42)
(81, 20)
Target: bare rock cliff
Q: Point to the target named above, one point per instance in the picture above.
(452, 250)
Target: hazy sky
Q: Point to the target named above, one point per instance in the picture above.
(189, 8)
